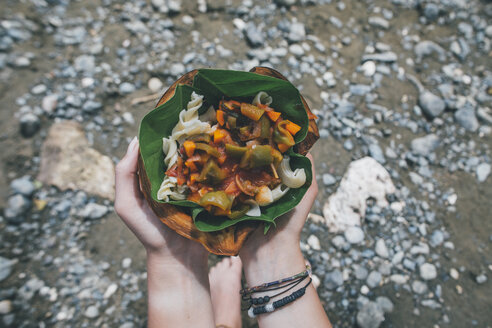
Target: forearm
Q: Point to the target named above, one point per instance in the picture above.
(277, 261)
(178, 293)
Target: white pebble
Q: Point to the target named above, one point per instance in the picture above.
(154, 84)
(126, 262)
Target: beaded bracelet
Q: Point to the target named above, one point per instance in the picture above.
(254, 311)
(262, 287)
(265, 299)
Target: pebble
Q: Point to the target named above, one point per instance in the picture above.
(428, 271)
(425, 145)
(126, 263)
(29, 125)
(378, 22)
(5, 267)
(297, 32)
(333, 279)
(254, 36)
(126, 88)
(369, 68)
(23, 186)
(431, 11)
(431, 105)
(481, 279)
(329, 179)
(313, 242)
(49, 103)
(385, 304)
(91, 106)
(377, 153)
(154, 84)
(385, 57)
(93, 211)
(466, 117)
(374, 278)
(454, 273)
(482, 171)
(5, 307)
(370, 315)
(110, 290)
(39, 89)
(17, 205)
(381, 249)
(354, 235)
(177, 69)
(92, 312)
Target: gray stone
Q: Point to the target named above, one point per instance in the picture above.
(91, 106)
(425, 145)
(333, 279)
(22, 186)
(431, 11)
(359, 89)
(377, 153)
(5, 307)
(381, 249)
(378, 22)
(465, 116)
(297, 32)
(29, 125)
(354, 235)
(126, 88)
(385, 57)
(329, 179)
(428, 271)
(5, 267)
(85, 63)
(93, 211)
(28, 290)
(482, 171)
(419, 287)
(91, 312)
(374, 278)
(177, 69)
(360, 272)
(254, 36)
(17, 205)
(426, 48)
(431, 105)
(39, 89)
(385, 304)
(49, 103)
(437, 238)
(370, 315)
(285, 2)
(481, 279)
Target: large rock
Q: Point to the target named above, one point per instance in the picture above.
(365, 178)
(68, 162)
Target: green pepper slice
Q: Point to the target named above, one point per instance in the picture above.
(281, 135)
(200, 138)
(218, 199)
(235, 151)
(231, 121)
(261, 156)
(208, 149)
(265, 127)
(236, 214)
(212, 173)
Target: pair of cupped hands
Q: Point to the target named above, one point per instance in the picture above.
(161, 241)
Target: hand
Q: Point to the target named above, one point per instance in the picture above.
(288, 227)
(133, 209)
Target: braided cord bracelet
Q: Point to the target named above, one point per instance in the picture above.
(254, 311)
(262, 287)
(266, 299)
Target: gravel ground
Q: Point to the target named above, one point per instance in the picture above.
(403, 92)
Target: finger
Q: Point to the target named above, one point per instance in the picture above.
(126, 183)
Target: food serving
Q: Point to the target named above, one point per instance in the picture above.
(233, 159)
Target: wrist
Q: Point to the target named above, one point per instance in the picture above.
(273, 261)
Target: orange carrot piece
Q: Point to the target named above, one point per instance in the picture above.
(292, 128)
(219, 135)
(189, 147)
(191, 165)
(283, 147)
(220, 117)
(273, 115)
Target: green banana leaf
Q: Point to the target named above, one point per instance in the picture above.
(216, 85)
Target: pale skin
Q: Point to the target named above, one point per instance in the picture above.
(179, 289)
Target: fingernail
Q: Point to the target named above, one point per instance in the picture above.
(132, 144)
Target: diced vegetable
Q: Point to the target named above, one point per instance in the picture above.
(219, 135)
(231, 122)
(273, 115)
(200, 138)
(235, 151)
(217, 199)
(208, 149)
(191, 165)
(251, 111)
(212, 173)
(220, 117)
(283, 147)
(231, 105)
(281, 135)
(189, 147)
(265, 127)
(292, 127)
(261, 156)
